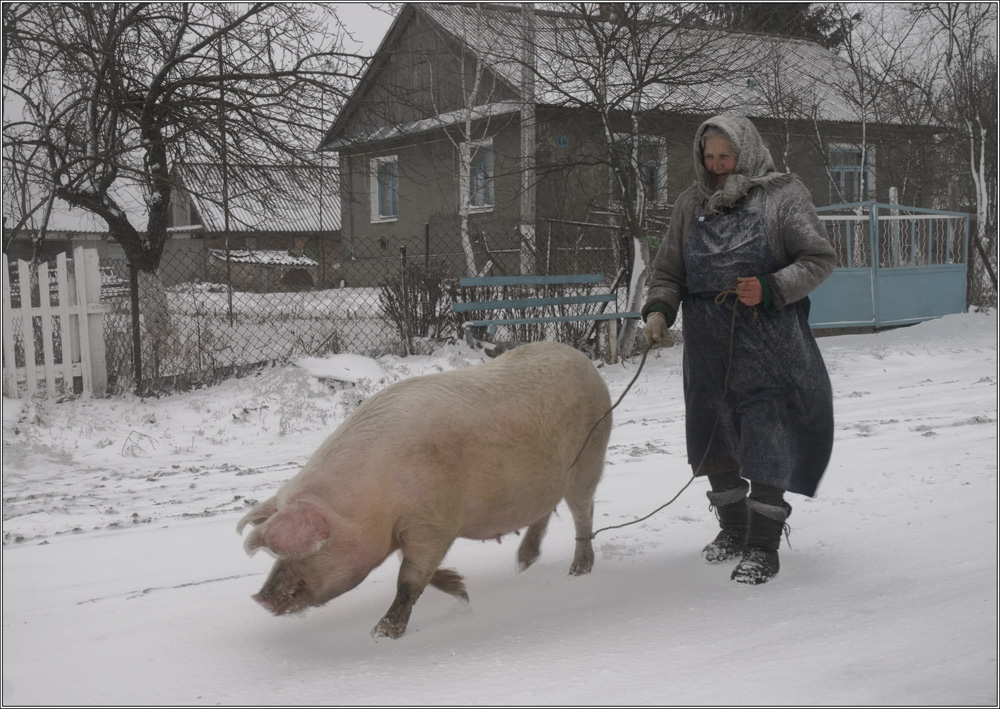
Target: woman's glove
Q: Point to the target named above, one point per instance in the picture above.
(656, 329)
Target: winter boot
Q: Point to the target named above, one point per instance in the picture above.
(731, 510)
(760, 555)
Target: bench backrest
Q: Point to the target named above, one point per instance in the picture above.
(538, 302)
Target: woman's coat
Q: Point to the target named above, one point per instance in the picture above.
(773, 401)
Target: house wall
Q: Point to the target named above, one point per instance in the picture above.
(423, 74)
(574, 181)
(429, 197)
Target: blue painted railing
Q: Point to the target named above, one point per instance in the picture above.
(896, 265)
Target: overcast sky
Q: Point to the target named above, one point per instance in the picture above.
(367, 22)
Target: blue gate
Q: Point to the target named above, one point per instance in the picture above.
(895, 265)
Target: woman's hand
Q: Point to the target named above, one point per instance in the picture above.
(656, 330)
(749, 292)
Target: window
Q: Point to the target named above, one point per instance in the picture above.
(481, 176)
(852, 179)
(385, 188)
(651, 169)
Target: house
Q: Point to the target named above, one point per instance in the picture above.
(282, 230)
(67, 226)
(287, 216)
(448, 136)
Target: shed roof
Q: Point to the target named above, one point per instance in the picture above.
(264, 257)
(272, 198)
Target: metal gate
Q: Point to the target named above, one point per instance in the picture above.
(895, 265)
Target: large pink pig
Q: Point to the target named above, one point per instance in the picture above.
(476, 453)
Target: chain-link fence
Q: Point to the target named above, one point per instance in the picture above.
(211, 312)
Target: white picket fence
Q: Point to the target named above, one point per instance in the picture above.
(62, 337)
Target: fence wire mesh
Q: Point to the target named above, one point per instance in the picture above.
(210, 312)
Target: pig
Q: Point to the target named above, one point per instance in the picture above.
(475, 453)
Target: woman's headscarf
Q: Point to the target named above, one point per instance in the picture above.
(754, 165)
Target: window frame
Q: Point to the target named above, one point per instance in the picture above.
(465, 180)
(659, 196)
(375, 191)
(863, 173)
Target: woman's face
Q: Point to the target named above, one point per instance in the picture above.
(719, 157)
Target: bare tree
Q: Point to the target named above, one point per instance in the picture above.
(463, 136)
(967, 103)
(878, 47)
(624, 64)
(114, 94)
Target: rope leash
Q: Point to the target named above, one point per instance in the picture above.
(719, 300)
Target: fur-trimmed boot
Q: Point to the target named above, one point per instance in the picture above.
(731, 510)
(760, 555)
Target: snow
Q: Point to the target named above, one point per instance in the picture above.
(124, 582)
(342, 367)
(271, 258)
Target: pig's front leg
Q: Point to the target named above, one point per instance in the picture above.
(420, 561)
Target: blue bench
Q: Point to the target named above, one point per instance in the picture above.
(537, 304)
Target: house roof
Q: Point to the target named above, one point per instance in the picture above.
(67, 219)
(289, 198)
(565, 51)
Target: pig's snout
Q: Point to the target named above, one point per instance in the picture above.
(269, 604)
(282, 594)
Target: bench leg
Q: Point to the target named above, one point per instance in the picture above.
(612, 341)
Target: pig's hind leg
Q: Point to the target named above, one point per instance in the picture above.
(531, 546)
(583, 520)
(580, 497)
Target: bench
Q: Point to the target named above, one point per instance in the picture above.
(538, 304)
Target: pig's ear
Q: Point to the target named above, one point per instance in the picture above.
(260, 513)
(299, 528)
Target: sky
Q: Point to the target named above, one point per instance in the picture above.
(366, 22)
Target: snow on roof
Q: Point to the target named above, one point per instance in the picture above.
(264, 257)
(387, 131)
(289, 198)
(566, 50)
(805, 74)
(67, 218)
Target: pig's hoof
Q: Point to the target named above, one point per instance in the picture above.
(582, 565)
(526, 560)
(385, 629)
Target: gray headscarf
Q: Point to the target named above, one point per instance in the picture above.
(754, 165)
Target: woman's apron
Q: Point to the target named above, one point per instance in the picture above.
(776, 424)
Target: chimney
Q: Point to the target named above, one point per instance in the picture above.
(610, 11)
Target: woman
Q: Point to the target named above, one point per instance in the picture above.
(770, 420)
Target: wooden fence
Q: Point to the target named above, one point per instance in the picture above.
(53, 331)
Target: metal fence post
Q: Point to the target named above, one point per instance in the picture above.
(876, 256)
(136, 329)
(407, 330)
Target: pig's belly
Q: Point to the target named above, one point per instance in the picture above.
(494, 523)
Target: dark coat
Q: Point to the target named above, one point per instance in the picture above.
(773, 400)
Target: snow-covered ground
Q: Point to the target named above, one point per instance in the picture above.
(124, 582)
